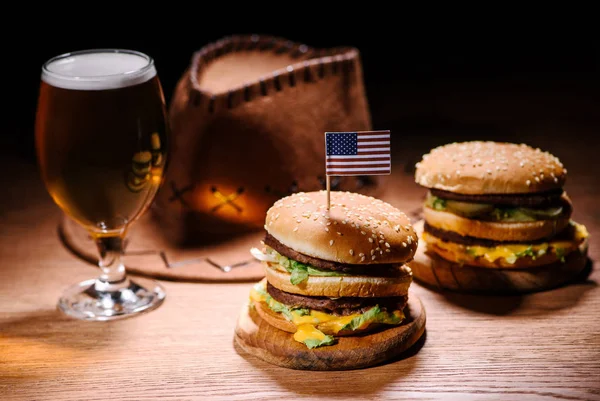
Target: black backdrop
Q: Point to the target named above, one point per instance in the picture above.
(405, 69)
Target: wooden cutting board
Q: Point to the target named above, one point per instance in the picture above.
(436, 272)
(255, 336)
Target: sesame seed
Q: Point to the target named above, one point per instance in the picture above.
(387, 244)
(409, 239)
(343, 221)
(339, 233)
(555, 180)
(371, 240)
(295, 229)
(397, 228)
(326, 229)
(373, 257)
(352, 252)
(372, 251)
(387, 250)
(404, 244)
(298, 221)
(330, 242)
(362, 259)
(363, 233)
(528, 182)
(361, 254)
(381, 241)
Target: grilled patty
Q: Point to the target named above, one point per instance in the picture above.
(341, 306)
(450, 236)
(542, 199)
(377, 270)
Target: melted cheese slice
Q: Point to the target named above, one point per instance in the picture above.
(306, 324)
(308, 332)
(510, 252)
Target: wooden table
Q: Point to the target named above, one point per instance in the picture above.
(543, 346)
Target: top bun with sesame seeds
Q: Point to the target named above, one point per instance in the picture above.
(480, 168)
(356, 230)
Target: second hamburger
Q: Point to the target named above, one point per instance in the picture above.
(498, 205)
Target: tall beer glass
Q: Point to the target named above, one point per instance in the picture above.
(101, 142)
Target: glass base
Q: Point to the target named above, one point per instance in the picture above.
(84, 300)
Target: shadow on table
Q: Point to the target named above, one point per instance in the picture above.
(39, 344)
(349, 384)
(562, 297)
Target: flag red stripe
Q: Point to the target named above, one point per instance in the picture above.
(382, 161)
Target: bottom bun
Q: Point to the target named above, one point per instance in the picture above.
(279, 321)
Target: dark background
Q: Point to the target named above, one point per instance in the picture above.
(432, 85)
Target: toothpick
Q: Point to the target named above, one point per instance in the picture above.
(328, 192)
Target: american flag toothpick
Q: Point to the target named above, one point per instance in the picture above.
(357, 153)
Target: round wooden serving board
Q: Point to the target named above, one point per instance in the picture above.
(434, 271)
(256, 337)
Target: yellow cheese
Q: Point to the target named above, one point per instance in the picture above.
(509, 252)
(308, 332)
(335, 323)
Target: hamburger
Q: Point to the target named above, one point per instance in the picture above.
(336, 272)
(497, 205)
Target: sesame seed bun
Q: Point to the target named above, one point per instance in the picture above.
(357, 229)
(477, 168)
(343, 286)
(497, 231)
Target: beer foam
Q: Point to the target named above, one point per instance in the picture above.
(98, 70)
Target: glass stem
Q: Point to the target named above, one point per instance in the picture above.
(113, 275)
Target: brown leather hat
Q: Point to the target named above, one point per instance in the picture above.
(248, 119)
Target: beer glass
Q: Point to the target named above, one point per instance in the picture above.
(101, 143)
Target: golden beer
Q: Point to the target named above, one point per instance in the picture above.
(102, 148)
(101, 141)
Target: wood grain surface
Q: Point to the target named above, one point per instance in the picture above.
(257, 338)
(542, 346)
(432, 270)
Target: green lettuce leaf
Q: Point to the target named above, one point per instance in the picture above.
(280, 308)
(313, 343)
(373, 315)
(360, 320)
(527, 252)
(300, 271)
(560, 253)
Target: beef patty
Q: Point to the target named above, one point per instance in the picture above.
(341, 306)
(541, 199)
(377, 270)
(450, 236)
